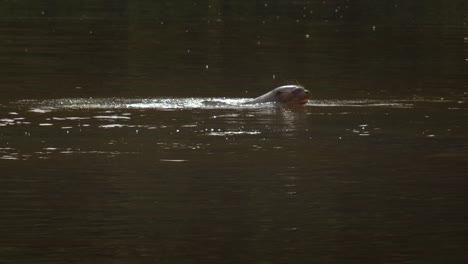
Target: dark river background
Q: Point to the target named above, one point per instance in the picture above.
(123, 138)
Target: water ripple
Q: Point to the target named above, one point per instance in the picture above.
(45, 106)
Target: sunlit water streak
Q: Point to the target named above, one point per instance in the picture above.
(221, 118)
(44, 106)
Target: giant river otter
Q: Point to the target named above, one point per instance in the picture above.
(287, 94)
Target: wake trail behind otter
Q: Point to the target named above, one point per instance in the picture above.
(169, 104)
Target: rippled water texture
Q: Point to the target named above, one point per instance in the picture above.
(171, 180)
(124, 137)
(205, 117)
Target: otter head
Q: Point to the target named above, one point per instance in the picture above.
(292, 94)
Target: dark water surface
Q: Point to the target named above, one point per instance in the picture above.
(123, 137)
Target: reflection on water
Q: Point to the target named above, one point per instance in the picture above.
(191, 118)
(176, 180)
(194, 117)
(163, 163)
(200, 103)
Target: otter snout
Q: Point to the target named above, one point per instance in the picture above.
(297, 95)
(300, 90)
